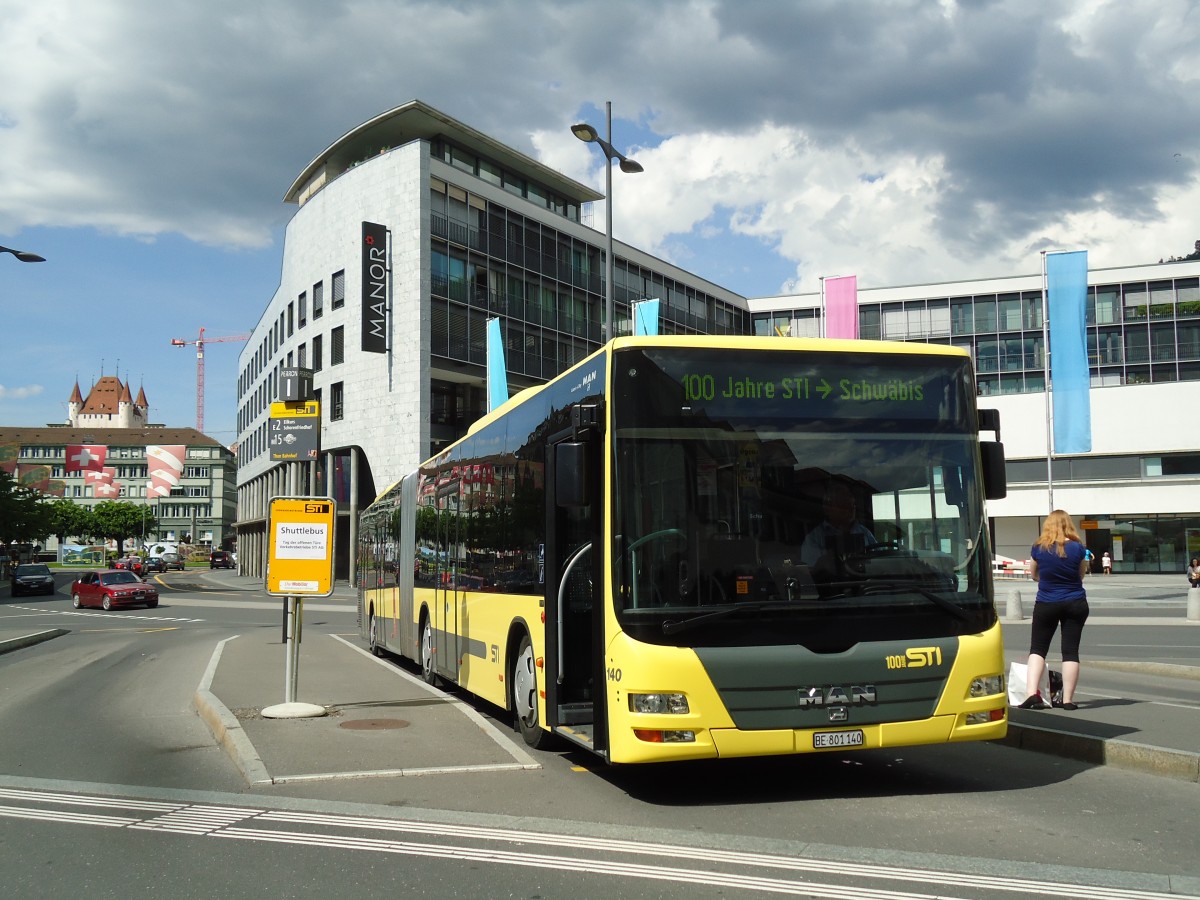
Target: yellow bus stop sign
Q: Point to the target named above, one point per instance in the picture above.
(300, 547)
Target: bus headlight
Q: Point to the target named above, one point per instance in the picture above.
(670, 704)
(986, 686)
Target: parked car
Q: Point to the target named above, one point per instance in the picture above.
(155, 564)
(132, 564)
(173, 561)
(32, 578)
(220, 559)
(108, 590)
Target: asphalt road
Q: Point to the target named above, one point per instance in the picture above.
(111, 786)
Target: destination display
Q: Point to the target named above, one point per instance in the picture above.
(736, 384)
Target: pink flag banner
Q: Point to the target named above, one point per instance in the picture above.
(165, 467)
(841, 307)
(85, 458)
(107, 489)
(104, 476)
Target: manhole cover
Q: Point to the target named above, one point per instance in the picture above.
(373, 724)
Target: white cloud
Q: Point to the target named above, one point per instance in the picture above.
(20, 393)
(904, 141)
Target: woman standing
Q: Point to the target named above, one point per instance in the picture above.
(1194, 573)
(1058, 564)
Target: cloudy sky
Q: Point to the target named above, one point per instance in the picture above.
(145, 146)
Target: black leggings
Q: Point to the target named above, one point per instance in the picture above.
(1071, 614)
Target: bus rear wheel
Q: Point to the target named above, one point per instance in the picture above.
(523, 680)
(373, 641)
(427, 670)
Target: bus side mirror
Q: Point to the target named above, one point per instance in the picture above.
(571, 474)
(995, 480)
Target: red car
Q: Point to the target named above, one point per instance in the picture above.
(117, 587)
(133, 564)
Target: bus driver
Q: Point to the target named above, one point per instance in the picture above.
(840, 532)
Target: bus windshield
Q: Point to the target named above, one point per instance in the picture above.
(817, 497)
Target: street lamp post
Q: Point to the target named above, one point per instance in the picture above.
(23, 255)
(587, 134)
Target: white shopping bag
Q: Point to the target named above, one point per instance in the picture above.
(1016, 683)
(1051, 686)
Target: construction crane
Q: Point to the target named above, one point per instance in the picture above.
(200, 342)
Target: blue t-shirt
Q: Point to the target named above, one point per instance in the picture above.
(1058, 576)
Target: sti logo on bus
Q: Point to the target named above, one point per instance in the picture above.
(835, 695)
(915, 658)
(318, 508)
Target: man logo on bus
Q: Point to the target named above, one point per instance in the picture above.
(836, 695)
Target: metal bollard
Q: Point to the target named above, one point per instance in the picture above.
(1014, 610)
(1193, 607)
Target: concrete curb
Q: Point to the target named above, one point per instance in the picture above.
(28, 640)
(225, 726)
(1167, 670)
(1179, 764)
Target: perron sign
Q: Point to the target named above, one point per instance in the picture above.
(376, 287)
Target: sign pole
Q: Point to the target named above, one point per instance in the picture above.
(291, 674)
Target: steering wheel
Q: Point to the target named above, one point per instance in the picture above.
(654, 535)
(881, 547)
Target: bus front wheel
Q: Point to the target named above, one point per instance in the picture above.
(525, 697)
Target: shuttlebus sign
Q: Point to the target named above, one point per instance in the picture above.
(300, 552)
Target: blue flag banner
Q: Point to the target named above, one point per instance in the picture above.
(1066, 295)
(645, 317)
(497, 376)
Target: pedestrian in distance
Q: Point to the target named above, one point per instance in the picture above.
(1193, 573)
(1106, 563)
(1058, 563)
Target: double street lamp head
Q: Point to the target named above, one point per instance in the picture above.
(23, 255)
(589, 135)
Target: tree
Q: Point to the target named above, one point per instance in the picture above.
(69, 519)
(120, 519)
(22, 515)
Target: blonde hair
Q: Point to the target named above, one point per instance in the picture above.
(1056, 531)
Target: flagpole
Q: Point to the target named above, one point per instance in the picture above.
(1049, 407)
(824, 312)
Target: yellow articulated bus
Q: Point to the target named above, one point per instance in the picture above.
(700, 547)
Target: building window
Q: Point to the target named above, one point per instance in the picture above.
(318, 301)
(337, 346)
(336, 401)
(339, 290)
(302, 305)
(317, 361)
(291, 319)
(302, 356)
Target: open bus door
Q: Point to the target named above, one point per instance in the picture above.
(575, 689)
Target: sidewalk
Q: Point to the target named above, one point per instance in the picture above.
(1151, 738)
(381, 720)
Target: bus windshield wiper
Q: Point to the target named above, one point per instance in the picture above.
(949, 605)
(676, 626)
